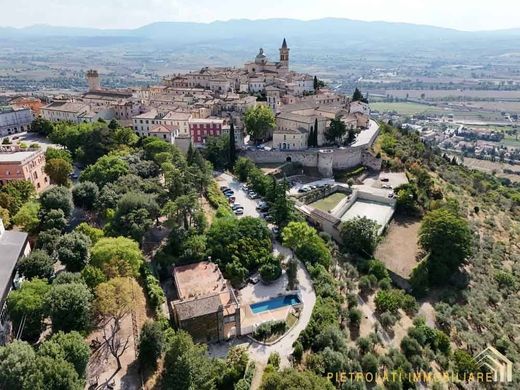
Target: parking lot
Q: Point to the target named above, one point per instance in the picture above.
(240, 195)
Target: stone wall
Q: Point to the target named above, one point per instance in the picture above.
(324, 159)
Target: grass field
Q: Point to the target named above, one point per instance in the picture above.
(328, 203)
(405, 108)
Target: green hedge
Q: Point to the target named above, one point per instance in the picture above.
(153, 288)
(267, 329)
(216, 198)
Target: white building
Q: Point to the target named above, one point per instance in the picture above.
(15, 120)
(65, 112)
(179, 119)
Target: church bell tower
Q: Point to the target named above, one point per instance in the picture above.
(284, 55)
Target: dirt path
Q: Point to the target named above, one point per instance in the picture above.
(257, 377)
(102, 364)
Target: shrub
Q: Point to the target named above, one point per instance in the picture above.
(153, 288)
(268, 329)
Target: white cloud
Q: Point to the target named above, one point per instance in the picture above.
(461, 14)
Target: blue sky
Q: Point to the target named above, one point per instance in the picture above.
(459, 14)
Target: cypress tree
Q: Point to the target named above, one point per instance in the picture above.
(315, 140)
(232, 146)
(190, 154)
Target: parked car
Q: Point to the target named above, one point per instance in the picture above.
(237, 206)
(232, 199)
(229, 192)
(384, 179)
(254, 279)
(275, 230)
(391, 195)
(245, 187)
(253, 195)
(238, 211)
(224, 188)
(386, 186)
(269, 218)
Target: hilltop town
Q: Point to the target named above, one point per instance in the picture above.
(245, 228)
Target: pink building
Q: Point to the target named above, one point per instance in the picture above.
(201, 129)
(19, 164)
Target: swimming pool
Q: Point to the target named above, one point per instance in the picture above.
(275, 303)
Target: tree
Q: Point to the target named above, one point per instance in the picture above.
(369, 363)
(297, 233)
(135, 214)
(282, 210)
(359, 236)
(57, 198)
(53, 219)
(69, 306)
(17, 363)
(38, 264)
(27, 217)
(316, 84)
(336, 131)
(70, 347)
(26, 307)
(58, 170)
(232, 146)
(259, 121)
(117, 256)
(271, 270)
(4, 215)
(55, 374)
(447, 238)
(106, 170)
(85, 194)
(315, 134)
(151, 344)
(116, 298)
(292, 274)
(186, 365)
(94, 234)
(314, 251)
(357, 96)
(464, 363)
(15, 193)
(184, 210)
(243, 167)
(42, 126)
(93, 276)
(217, 151)
(48, 240)
(291, 379)
(73, 251)
(55, 153)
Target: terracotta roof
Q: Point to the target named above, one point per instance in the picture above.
(198, 307)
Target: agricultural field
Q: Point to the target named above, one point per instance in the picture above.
(493, 167)
(405, 108)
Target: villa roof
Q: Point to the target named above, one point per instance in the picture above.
(198, 307)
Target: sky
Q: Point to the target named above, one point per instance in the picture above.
(459, 14)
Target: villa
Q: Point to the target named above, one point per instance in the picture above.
(206, 307)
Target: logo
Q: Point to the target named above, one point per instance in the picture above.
(496, 363)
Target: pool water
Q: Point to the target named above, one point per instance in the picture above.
(275, 303)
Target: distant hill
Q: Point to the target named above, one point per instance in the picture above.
(321, 34)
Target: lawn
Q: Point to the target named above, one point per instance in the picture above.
(404, 108)
(328, 203)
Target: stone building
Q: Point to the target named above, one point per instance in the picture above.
(15, 120)
(206, 307)
(23, 164)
